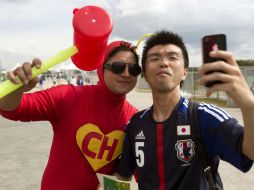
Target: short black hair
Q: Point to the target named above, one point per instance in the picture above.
(164, 37)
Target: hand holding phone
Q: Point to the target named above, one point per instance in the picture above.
(212, 43)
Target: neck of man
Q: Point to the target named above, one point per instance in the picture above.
(164, 104)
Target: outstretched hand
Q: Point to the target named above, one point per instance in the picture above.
(229, 73)
(24, 73)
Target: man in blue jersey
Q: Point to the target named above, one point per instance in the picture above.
(158, 143)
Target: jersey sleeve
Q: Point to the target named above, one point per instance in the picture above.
(127, 164)
(223, 136)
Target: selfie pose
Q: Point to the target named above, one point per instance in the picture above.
(160, 143)
(87, 121)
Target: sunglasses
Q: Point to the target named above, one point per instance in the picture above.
(119, 67)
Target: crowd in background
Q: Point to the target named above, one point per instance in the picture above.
(54, 78)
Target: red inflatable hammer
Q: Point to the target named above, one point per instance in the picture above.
(92, 27)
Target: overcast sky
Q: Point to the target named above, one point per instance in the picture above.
(40, 28)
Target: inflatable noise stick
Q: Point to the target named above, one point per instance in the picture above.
(7, 86)
(92, 27)
(142, 37)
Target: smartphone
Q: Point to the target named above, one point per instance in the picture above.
(211, 43)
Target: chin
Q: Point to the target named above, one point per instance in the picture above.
(164, 89)
(123, 91)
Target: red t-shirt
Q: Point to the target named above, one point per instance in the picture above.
(88, 124)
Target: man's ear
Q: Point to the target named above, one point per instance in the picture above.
(185, 73)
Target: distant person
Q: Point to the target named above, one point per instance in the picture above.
(88, 121)
(87, 80)
(80, 80)
(58, 78)
(159, 144)
(1, 78)
(41, 81)
(68, 79)
(73, 80)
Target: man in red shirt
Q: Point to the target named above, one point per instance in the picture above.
(87, 121)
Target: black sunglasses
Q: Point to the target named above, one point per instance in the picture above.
(119, 67)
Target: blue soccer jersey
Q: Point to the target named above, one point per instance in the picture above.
(164, 154)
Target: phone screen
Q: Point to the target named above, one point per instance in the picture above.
(212, 43)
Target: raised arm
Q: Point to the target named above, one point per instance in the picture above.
(24, 73)
(234, 84)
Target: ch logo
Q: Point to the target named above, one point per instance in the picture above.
(94, 138)
(99, 149)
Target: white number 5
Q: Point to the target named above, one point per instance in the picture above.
(140, 157)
